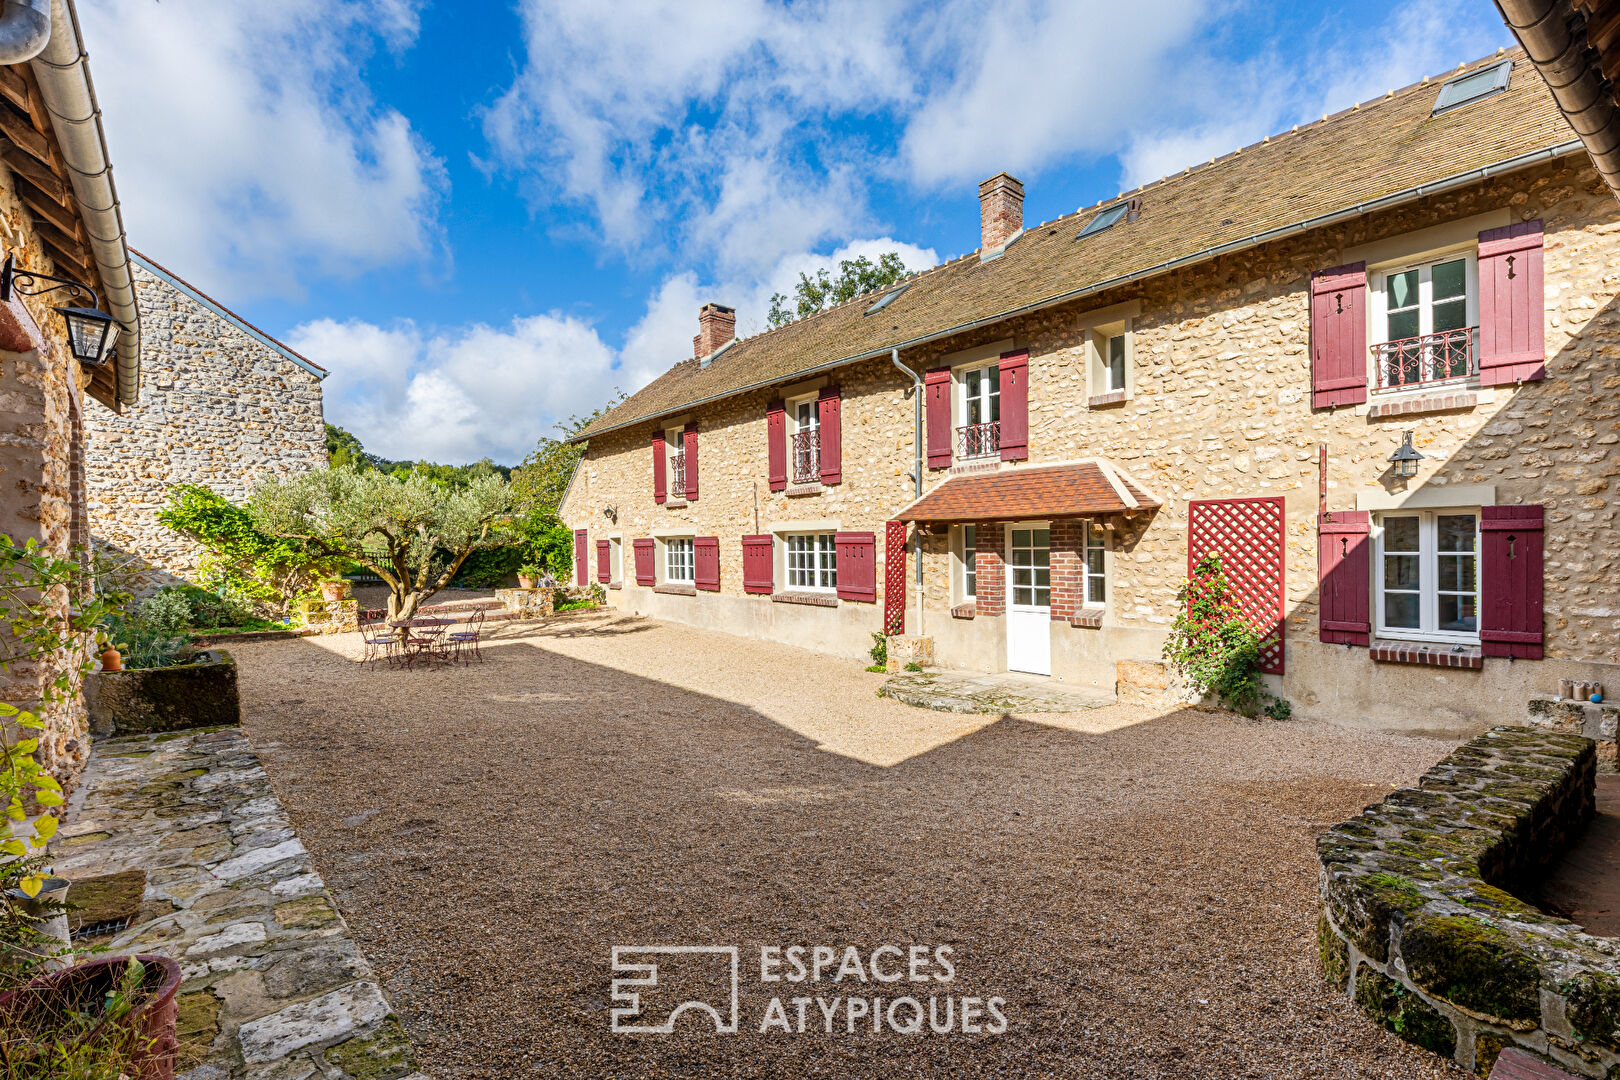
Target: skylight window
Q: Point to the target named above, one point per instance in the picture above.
(1127, 211)
(885, 300)
(1473, 86)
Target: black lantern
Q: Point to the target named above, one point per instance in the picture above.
(1404, 460)
(91, 331)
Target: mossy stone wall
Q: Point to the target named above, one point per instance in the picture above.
(145, 700)
(1421, 928)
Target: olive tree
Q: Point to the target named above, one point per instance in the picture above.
(409, 531)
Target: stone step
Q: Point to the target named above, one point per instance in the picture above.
(482, 603)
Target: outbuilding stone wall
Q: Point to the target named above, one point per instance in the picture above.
(220, 408)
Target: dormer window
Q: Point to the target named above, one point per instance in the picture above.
(1469, 88)
(885, 300)
(1127, 211)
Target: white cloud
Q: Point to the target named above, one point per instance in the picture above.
(248, 152)
(462, 394)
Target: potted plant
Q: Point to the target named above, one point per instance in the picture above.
(529, 576)
(117, 1011)
(333, 590)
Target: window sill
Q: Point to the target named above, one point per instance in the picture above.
(1113, 397)
(676, 590)
(615, 584)
(976, 465)
(674, 504)
(964, 611)
(808, 598)
(796, 490)
(1088, 620)
(1433, 654)
(1428, 403)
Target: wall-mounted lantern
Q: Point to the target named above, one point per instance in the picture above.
(1405, 459)
(91, 331)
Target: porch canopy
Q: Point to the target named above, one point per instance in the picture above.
(1094, 488)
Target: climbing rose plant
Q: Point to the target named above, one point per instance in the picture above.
(1212, 644)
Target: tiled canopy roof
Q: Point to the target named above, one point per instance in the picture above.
(1383, 148)
(1083, 489)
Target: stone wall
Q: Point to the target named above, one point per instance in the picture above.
(221, 409)
(1220, 408)
(1420, 926)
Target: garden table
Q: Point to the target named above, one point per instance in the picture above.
(426, 643)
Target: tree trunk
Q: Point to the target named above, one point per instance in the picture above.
(402, 604)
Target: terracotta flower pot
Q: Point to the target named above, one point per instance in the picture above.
(111, 659)
(151, 1024)
(527, 582)
(332, 591)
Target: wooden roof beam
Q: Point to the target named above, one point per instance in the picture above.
(49, 209)
(30, 168)
(17, 128)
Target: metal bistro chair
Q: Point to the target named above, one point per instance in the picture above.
(426, 643)
(469, 638)
(382, 642)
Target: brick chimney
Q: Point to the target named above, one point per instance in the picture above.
(1001, 211)
(717, 324)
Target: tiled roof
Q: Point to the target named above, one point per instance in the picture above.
(1082, 489)
(1371, 151)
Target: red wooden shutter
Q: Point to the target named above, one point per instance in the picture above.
(644, 562)
(857, 566)
(1510, 581)
(604, 561)
(581, 569)
(937, 406)
(894, 577)
(659, 460)
(830, 415)
(689, 444)
(1015, 406)
(776, 444)
(1512, 305)
(1338, 336)
(1343, 566)
(759, 569)
(706, 563)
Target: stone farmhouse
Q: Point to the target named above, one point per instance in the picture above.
(232, 405)
(1017, 455)
(58, 216)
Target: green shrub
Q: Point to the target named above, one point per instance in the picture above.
(879, 651)
(165, 612)
(913, 666)
(1212, 644)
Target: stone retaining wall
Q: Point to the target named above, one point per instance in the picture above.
(140, 701)
(1420, 925)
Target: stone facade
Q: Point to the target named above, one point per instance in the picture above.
(1220, 406)
(227, 406)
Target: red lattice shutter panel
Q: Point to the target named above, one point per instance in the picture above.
(857, 566)
(689, 445)
(759, 564)
(644, 562)
(1015, 406)
(1339, 336)
(830, 414)
(659, 462)
(706, 563)
(581, 567)
(1251, 536)
(1343, 584)
(1511, 552)
(604, 561)
(894, 577)
(937, 408)
(1512, 305)
(776, 445)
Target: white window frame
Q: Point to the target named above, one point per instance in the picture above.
(615, 560)
(674, 548)
(674, 483)
(959, 377)
(965, 573)
(824, 579)
(1378, 310)
(1011, 566)
(1093, 537)
(1099, 373)
(1428, 578)
(793, 427)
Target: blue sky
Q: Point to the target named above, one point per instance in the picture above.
(483, 216)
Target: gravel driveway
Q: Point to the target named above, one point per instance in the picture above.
(1139, 888)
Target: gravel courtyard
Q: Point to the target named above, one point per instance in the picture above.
(1140, 888)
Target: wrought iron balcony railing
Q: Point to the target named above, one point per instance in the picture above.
(978, 440)
(1420, 361)
(677, 475)
(807, 456)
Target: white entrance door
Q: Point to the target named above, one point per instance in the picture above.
(1029, 599)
